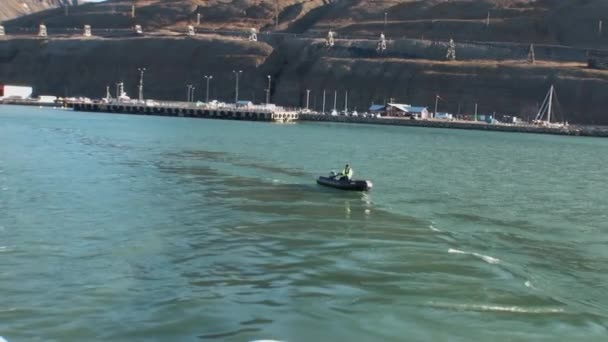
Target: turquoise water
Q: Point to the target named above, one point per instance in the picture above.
(130, 228)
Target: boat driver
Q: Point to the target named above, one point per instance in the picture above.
(347, 173)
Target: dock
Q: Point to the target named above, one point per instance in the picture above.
(269, 113)
(272, 113)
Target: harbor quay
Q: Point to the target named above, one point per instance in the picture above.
(575, 130)
(273, 113)
(239, 111)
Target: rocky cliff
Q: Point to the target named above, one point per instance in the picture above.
(491, 67)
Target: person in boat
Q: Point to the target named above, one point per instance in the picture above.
(347, 173)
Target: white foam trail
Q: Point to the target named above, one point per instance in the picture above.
(486, 258)
(497, 308)
(434, 229)
(2, 339)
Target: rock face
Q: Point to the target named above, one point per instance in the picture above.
(10, 9)
(490, 68)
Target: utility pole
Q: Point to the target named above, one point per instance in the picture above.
(276, 13)
(385, 20)
(268, 89)
(108, 93)
(451, 54)
(531, 55)
(307, 98)
(323, 111)
(198, 18)
(236, 87)
(67, 9)
(141, 84)
(207, 78)
(133, 9)
(188, 88)
(488, 20)
(599, 28)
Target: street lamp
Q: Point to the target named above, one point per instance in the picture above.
(323, 110)
(268, 90)
(141, 84)
(207, 78)
(307, 97)
(236, 87)
(189, 89)
(437, 98)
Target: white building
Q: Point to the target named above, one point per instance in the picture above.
(15, 92)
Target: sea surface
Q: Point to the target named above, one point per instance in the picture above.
(133, 228)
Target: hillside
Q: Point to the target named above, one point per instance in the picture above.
(491, 67)
(10, 9)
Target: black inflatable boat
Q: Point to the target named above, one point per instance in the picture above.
(354, 185)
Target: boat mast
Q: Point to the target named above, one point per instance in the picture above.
(543, 107)
(550, 102)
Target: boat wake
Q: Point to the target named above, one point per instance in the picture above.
(486, 258)
(497, 308)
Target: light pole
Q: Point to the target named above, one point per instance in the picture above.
(141, 84)
(346, 103)
(323, 111)
(207, 78)
(307, 97)
(236, 87)
(268, 90)
(436, 104)
(475, 111)
(189, 88)
(335, 99)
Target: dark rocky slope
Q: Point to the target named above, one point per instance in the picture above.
(493, 74)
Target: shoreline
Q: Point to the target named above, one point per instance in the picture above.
(233, 113)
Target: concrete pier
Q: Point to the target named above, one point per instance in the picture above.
(177, 109)
(589, 131)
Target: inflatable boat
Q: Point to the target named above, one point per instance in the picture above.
(354, 185)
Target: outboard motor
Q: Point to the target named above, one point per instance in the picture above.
(332, 174)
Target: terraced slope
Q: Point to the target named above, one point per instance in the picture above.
(493, 73)
(10, 9)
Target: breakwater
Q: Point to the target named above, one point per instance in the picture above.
(179, 109)
(592, 131)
